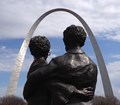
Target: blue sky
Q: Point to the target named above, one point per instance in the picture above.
(17, 17)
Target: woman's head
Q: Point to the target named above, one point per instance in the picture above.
(39, 46)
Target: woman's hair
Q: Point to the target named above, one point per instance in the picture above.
(39, 46)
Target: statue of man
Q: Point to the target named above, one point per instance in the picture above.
(71, 78)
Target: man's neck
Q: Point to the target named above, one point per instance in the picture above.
(39, 58)
(75, 50)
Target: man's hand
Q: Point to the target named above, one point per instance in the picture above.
(89, 91)
(85, 92)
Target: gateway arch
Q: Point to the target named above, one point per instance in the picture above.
(20, 57)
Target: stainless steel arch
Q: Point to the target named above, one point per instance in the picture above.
(19, 61)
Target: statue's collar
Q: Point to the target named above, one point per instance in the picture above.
(76, 50)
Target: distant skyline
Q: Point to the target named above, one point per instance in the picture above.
(18, 16)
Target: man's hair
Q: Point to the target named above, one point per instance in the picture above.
(39, 46)
(74, 36)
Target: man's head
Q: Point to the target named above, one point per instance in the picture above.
(74, 36)
(39, 46)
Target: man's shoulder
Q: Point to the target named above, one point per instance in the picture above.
(58, 60)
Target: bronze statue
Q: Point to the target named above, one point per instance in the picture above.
(70, 78)
(39, 47)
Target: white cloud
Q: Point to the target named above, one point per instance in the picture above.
(99, 87)
(119, 90)
(114, 75)
(113, 67)
(116, 37)
(17, 17)
(8, 58)
(117, 56)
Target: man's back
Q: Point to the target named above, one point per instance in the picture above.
(74, 69)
